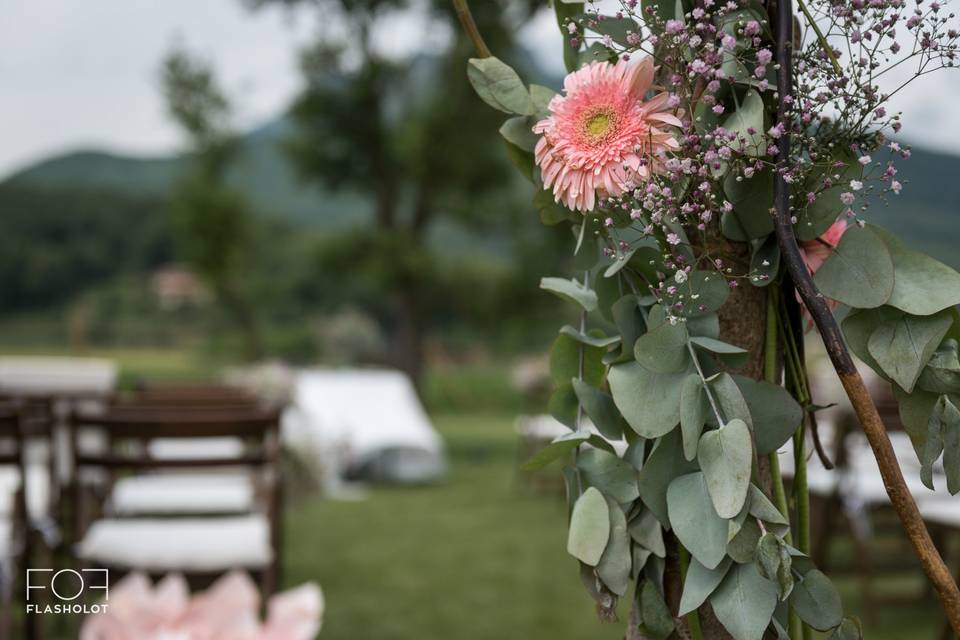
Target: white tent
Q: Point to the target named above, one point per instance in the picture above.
(57, 376)
(364, 424)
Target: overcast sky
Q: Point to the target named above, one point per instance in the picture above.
(83, 73)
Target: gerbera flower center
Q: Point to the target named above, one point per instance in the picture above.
(598, 122)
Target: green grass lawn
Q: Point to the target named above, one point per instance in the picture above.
(479, 558)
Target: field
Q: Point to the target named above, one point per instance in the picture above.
(479, 557)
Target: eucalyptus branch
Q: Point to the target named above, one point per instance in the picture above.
(470, 28)
(853, 384)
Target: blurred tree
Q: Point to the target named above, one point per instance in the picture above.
(212, 223)
(412, 136)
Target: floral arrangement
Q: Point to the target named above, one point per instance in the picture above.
(228, 610)
(716, 162)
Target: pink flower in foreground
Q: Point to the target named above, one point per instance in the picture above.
(601, 138)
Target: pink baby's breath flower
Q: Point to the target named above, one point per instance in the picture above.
(601, 138)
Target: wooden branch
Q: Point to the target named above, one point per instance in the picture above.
(856, 390)
(470, 27)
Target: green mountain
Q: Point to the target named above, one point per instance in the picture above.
(261, 173)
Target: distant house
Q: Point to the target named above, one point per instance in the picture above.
(175, 286)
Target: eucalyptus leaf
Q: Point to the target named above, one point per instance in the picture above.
(942, 373)
(612, 475)
(693, 413)
(499, 86)
(764, 261)
(571, 290)
(817, 601)
(646, 531)
(518, 131)
(699, 583)
(650, 402)
(860, 324)
(589, 527)
(629, 320)
(556, 450)
(703, 292)
(752, 199)
(849, 629)
(565, 362)
(655, 619)
(951, 452)
(762, 509)
(744, 602)
(732, 403)
(594, 338)
(743, 546)
(697, 526)
(944, 418)
(922, 285)
(726, 456)
(827, 181)
(665, 463)
(859, 271)
(601, 409)
(567, 11)
(902, 347)
(774, 414)
(664, 349)
(616, 561)
(562, 405)
(747, 123)
(541, 97)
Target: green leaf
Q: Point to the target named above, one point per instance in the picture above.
(699, 583)
(849, 629)
(744, 602)
(951, 452)
(499, 86)
(817, 602)
(599, 406)
(748, 116)
(902, 347)
(565, 362)
(944, 417)
(589, 527)
(743, 545)
(922, 285)
(616, 28)
(859, 271)
(594, 338)
(522, 160)
(768, 556)
(726, 456)
(629, 320)
(650, 402)
(655, 619)
(646, 531)
(706, 289)
(541, 97)
(728, 395)
(942, 373)
(860, 324)
(752, 199)
(693, 413)
(610, 474)
(664, 349)
(564, 11)
(571, 290)
(814, 219)
(665, 463)
(762, 509)
(556, 450)
(616, 561)
(764, 261)
(716, 346)
(518, 131)
(695, 523)
(774, 414)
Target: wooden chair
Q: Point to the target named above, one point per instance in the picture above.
(199, 545)
(18, 540)
(186, 396)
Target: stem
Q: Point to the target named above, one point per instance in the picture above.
(900, 497)
(470, 28)
(770, 374)
(821, 38)
(706, 385)
(693, 618)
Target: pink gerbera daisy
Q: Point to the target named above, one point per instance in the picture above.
(601, 139)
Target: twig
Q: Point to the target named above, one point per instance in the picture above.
(821, 38)
(470, 28)
(856, 390)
